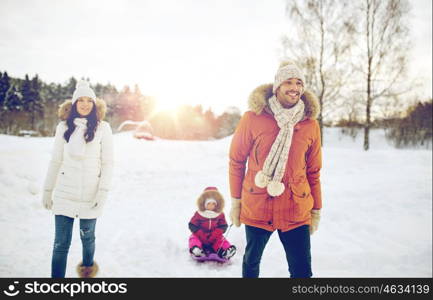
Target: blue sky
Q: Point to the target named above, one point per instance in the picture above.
(212, 52)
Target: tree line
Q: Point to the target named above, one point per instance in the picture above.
(30, 105)
(355, 57)
(410, 128)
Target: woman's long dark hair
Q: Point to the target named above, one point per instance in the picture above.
(92, 123)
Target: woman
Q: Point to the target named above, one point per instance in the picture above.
(79, 175)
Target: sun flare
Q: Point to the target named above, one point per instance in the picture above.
(161, 105)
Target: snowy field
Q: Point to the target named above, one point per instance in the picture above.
(376, 219)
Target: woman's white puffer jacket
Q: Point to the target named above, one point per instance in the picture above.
(75, 182)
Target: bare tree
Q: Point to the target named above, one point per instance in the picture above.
(320, 39)
(385, 45)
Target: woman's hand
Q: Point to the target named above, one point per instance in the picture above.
(47, 199)
(100, 198)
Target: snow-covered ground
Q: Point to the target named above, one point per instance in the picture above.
(376, 220)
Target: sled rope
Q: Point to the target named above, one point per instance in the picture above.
(225, 237)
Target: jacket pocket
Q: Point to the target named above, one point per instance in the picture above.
(254, 203)
(301, 202)
(64, 179)
(256, 152)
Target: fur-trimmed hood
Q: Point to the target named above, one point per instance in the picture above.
(214, 195)
(65, 109)
(258, 101)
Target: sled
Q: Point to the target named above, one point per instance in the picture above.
(210, 256)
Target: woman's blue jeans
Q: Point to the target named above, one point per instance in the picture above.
(62, 241)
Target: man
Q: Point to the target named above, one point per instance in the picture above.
(280, 138)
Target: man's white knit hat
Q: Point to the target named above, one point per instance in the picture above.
(82, 89)
(287, 70)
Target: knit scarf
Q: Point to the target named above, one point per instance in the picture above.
(77, 144)
(275, 164)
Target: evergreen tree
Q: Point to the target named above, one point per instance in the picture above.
(228, 121)
(69, 88)
(63, 92)
(414, 129)
(26, 92)
(50, 93)
(31, 98)
(211, 120)
(36, 85)
(99, 89)
(127, 105)
(138, 98)
(4, 88)
(14, 100)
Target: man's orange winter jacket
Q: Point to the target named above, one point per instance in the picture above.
(250, 146)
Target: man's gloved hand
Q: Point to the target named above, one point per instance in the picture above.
(315, 220)
(235, 212)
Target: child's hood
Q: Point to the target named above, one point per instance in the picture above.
(214, 195)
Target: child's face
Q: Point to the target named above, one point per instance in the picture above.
(211, 206)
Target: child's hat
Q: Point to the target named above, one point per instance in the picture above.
(210, 200)
(210, 188)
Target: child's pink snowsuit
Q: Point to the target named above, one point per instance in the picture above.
(195, 241)
(207, 226)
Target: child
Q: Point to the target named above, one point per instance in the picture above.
(208, 225)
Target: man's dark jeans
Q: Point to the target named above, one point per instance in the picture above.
(296, 244)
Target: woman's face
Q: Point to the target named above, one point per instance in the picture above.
(84, 106)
